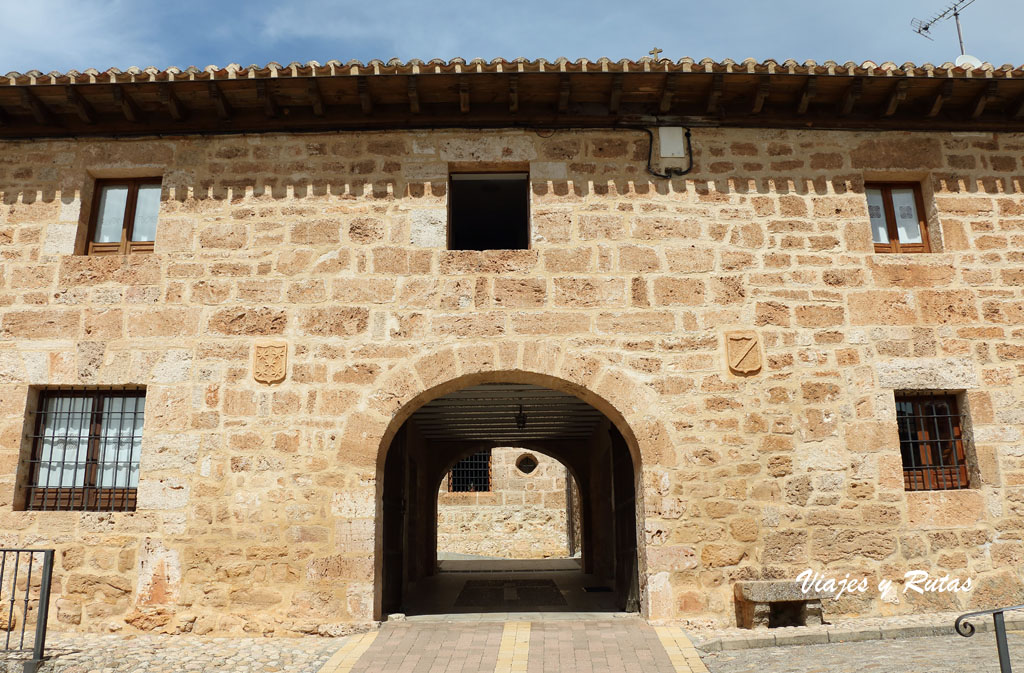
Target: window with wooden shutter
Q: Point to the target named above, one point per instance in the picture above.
(124, 215)
(896, 211)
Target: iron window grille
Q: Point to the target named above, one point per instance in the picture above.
(471, 474)
(85, 450)
(124, 216)
(931, 443)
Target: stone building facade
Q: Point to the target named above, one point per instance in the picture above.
(259, 502)
(524, 514)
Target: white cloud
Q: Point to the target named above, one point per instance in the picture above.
(78, 34)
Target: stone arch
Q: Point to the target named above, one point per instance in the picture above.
(632, 407)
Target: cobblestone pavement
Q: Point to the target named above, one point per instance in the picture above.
(938, 654)
(93, 653)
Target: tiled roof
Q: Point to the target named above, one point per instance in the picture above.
(520, 65)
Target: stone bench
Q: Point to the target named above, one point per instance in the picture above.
(767, 603)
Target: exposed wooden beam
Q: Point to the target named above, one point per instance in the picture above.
(564, 91)
(615, 99)
(760, 96)
(220, 101)
(365, 99)
(41, 113)
(174, 105)
(896, 96)
(464, 97)
(414, 95)
(82, 106)
(807, 95)
(991, 92)
(513, 93)
(4, 119)
(851, 96)
(264, 94)
(1018, 109)
(316, 100)
(715, 94)
(129, 108)
(667, 94)
(944, 93)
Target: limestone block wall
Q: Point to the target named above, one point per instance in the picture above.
(523, 516)
(258, 503)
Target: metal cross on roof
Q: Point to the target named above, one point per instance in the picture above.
(654, 52)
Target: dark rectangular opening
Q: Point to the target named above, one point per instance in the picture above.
(786, 613)
(489, 211)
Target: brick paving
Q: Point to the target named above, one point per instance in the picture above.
(936, 654)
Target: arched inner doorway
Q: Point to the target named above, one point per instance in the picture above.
(477, 418)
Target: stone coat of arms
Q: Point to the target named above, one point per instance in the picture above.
(743, 352)
(270, 362)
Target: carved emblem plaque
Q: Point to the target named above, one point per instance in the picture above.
(270, 362)
(743, 352)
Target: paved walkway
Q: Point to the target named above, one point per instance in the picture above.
(937, 654)
(613, 645)
(627, 645)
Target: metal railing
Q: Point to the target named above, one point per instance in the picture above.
(25, 576)
(966, 629)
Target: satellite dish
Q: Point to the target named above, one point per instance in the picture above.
(968, 61)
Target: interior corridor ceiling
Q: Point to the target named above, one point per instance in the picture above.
(490, 412)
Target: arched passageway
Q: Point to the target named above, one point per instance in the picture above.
(530, 417)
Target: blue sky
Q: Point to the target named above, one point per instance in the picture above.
(78, 34)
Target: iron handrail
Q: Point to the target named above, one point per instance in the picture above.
(43, 607)
(966, 629)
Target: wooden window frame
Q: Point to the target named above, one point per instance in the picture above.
(894, 245)
(88, 497)
(924, 474)
(126, 245)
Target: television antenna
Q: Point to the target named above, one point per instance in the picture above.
(924, 28)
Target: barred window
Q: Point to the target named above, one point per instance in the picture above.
(472, 473)
(85, 450)
(931, 442)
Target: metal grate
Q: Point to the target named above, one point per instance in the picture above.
(931, 443)
(85, 450)
(471, 474)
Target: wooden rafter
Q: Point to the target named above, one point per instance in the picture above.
(316, 99)
(82, 107)
(715, 94)
(668, 92)
(807, 95)
(764, 88)
(174, 105)
(266, 96)
(851, 96)
(365, 99)
(414, 95)
(896, 96)
(41, 113)
(464, 97)
(513, 94)
(564, 92)
(615, 97)
(220, 102)
(990, 92)
(944, 93)
(129, 108)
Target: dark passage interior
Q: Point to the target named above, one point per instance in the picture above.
(476, 418)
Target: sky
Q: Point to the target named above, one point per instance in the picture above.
(63, 35)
